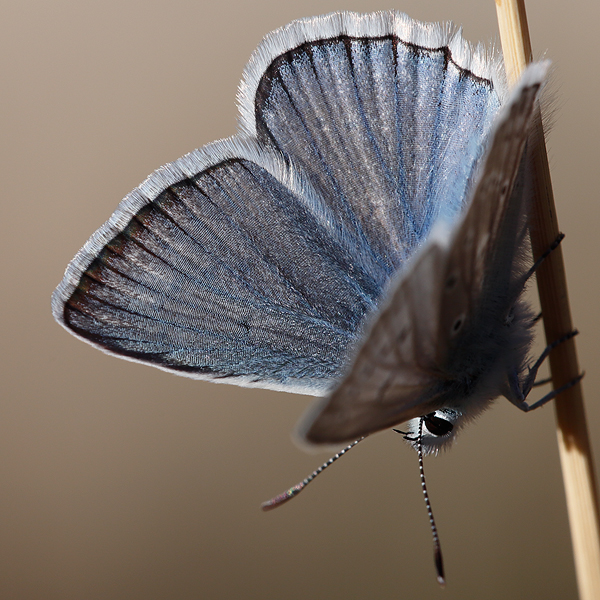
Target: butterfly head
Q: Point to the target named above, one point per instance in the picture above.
(438, 431)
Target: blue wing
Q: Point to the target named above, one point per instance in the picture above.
(225, 273)
(255, 260)
(389, 128)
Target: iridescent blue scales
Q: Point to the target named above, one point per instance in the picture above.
(265, 258)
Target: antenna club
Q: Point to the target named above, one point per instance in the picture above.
(282, 498)
(439, 566)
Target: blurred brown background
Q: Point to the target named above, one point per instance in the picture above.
(119, 481)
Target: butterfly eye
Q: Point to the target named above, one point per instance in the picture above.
(436, 425)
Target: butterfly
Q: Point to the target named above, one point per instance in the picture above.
(362, 238)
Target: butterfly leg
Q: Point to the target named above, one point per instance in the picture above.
(542, 381)
(537, 318)
(525, 278)
(549, 396)
(530, 379)
(529, 383)
(553, 246)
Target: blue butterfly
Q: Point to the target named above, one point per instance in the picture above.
(361, 238)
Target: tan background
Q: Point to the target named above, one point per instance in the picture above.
(118, 481)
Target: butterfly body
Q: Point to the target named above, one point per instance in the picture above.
(361, 238)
